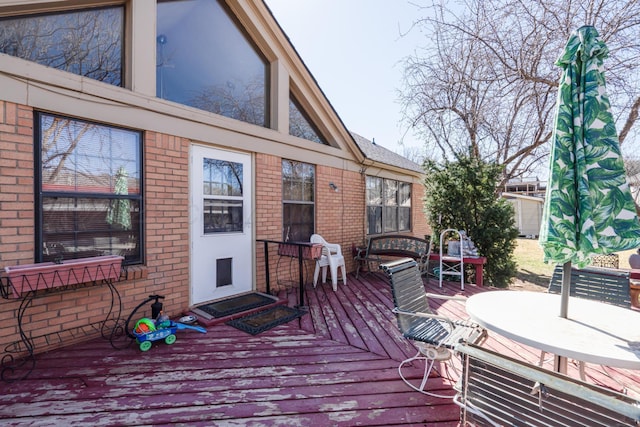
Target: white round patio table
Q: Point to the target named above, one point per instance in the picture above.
(593, 332)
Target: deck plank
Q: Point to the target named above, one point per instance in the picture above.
(335, 366)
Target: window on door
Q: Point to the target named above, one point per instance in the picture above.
(388, 205)
(223, 204)
(88, 190)
(298, 210)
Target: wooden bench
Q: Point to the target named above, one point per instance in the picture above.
(498, 390)
(379, 248)
(605, 285)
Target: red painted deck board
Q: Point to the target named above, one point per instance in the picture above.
(337, 365)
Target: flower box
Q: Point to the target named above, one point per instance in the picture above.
(309, 251)
(49, 275)
(634, 290)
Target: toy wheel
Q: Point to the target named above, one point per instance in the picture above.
(145, 345)
(170, 339)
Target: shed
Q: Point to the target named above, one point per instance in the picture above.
(528, 213)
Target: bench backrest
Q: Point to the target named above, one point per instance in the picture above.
(399, 245)
(504, 391)
(610, 286)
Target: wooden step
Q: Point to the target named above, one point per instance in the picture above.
(206, 319)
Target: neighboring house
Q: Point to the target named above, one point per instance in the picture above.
(526, 187)
(176, 134)
(528, 213)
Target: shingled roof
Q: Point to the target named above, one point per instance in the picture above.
(380, 154)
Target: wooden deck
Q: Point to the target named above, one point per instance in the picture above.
(336, 366)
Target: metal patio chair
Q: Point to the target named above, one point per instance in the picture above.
(434, 335)
(497, 390)
(610, 286)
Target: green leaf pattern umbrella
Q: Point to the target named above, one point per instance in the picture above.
(588, 208)
(119, 212)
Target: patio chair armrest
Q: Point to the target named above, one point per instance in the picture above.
(447, 297)
(425, 316)
(361, 254)
(334, 248)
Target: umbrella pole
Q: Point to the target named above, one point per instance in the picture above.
(566, 284)
(560, 363)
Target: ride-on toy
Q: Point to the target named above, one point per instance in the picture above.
(147, 331)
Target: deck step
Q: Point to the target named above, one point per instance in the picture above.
(205, 319)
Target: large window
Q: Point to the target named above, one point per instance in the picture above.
(88, 190)
(298, 184)
(388, 205)
(301, 125)
(206, 61)
(86, 42)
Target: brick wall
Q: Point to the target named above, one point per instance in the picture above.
(339, 219)
(166, 182)
(16, 202)
(418, 217)
(268, 209)
(340, 214)
(16, 183)
(167, 235)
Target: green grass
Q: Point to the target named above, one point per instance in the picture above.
(531, 268)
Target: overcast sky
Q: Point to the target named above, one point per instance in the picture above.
(354, 48)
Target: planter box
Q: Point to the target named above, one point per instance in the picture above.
(49, 275)
(309, 251)
(634, 290)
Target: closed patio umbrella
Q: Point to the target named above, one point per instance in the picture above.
(119, 212)
(588, 208)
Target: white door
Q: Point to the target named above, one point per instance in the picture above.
(221, 224)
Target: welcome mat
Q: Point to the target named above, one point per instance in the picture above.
(237, 304)
(267, 319)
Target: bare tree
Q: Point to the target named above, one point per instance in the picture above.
(485, 82)
(238, 100)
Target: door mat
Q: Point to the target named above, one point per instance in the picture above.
(265, 320)
(237, 304)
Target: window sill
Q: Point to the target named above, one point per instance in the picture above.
(134, 272)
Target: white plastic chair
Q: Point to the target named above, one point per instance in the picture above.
(331, 257)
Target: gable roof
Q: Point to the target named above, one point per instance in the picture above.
(380, 154)
(362, 147)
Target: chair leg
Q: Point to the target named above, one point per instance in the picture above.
(316, 273)
(542, 355)
(581, 365)
(428, 367)
(344, 274)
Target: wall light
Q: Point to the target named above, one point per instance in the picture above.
(333, 187)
